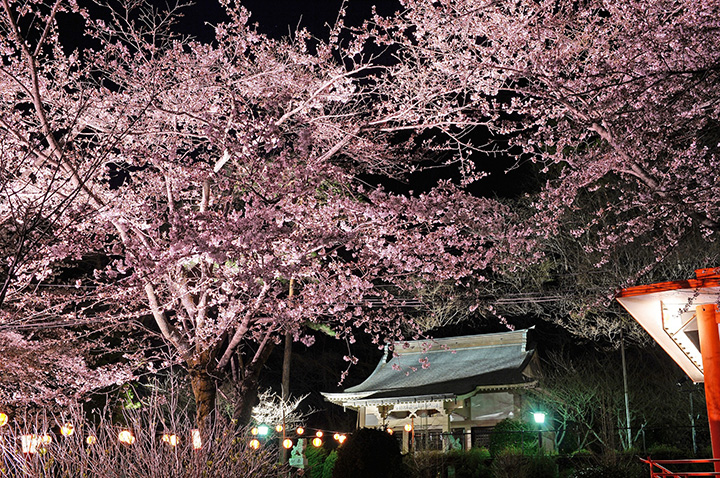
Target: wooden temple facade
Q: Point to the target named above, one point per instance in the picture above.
(469, 384)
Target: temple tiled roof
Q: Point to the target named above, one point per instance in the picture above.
(456, 367)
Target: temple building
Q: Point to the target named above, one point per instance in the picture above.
(447, 392)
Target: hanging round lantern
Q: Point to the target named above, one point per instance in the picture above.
(126, 437)
(254, 443)
(67, 430)
(287, 443)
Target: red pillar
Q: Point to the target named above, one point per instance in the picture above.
(707, 319)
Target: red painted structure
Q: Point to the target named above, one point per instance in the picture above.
(657, 468)
(683, 317)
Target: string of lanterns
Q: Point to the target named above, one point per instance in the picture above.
(31, 442)
(263, 430)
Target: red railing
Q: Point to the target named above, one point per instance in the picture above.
(657, 468)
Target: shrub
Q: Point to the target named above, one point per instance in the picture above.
(513, 434)
(425, 464)
(473, 463)
(667, 452)
(329, 464)
(627, 466)
(369, 453)
(509, 463)
(316, 457)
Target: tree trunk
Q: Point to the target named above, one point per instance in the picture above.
(205, 391)
(246, 394)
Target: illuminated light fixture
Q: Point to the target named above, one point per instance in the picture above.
(254, 443)
(196, 440)
(287, 443)
(317, 442)
(319, 434)
(91, 440)
(67, 430)
(408, 427)
(254, 431)
(3, 419)
(539, 417)
(300, 430)
(263, 430)
(279, 428)
(170, 439)
(390, 431)
(342, 439)
(126, 437)
(29, 443)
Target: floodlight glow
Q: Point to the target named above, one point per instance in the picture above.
(539, 417)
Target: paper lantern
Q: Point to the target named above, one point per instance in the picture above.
(29, 443)
(126, 437)
(196, 440)
(170, 439)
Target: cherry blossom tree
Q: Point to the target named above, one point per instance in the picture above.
(620, 96)
(614, 104)
(208, 177)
